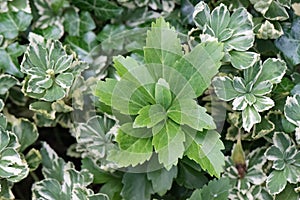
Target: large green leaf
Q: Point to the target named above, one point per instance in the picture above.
(162, 179)
(215, 189)
(11, 23)
(136, 187)
(198, 75)
(158, 49)
(165, 138)
(205, 149)
(188, 112)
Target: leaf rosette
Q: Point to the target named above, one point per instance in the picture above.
(286, 163)
(235, 31)
(154, 102)
(249, 94)
(50, 70)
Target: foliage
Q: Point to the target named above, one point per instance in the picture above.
(148, 99)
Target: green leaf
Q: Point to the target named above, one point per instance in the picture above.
(201, 14)
(75, 25)
(136, 186)
(126, 67)
(292, 109)
(205, 149)
(165, 138)
(272, 10)
(100, 175)
(243, 59)
(26, 132)
(13, 167)
(9, 59)
(163, 94)
(276, 182)
(162, 45)
(54, 93)
(162, 179)
(6, 82)
(190, 174)
(92, 138)
(188, 112)
(288, 43)
(53, 166)
(47, 189)
(214, 190)
(133, 150)
(263, 103)
(223, 87)
(219, 20)
(272, 70)
(149, 116)
(102, 9)
(33, 159)
(44, 62)
(197, 74)
(250, 117)
(43, 108)
(269, 30)
(11, 23)
(104, 90)
(288, 193)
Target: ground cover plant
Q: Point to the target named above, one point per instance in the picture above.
(149, 99)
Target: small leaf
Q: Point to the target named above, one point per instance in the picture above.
(276, 182)
(26, 132)
(272, 70)
(11, 23)
(47, 189)
(224, 89)
(201, 14)
(33, 159)
(163, 94)
(263, 103)
(292, 109)
(6, 82)
(53, 166)
(250, 117)
(243, 59)
(149, 116)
